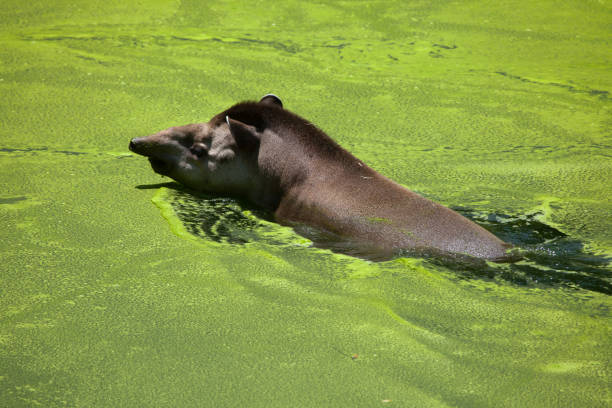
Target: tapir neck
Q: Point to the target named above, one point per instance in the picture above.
(281, 168)
(265, 193)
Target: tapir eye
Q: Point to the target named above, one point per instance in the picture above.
(198, 149)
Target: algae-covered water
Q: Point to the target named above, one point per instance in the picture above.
(118, 288)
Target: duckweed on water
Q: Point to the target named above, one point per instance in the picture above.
(499, 110)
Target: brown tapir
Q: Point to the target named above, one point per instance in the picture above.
(281, 162)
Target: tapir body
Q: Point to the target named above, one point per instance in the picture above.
(277, 160)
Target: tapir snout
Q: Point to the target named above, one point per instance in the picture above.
(161, 159)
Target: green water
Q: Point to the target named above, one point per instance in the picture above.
(108, 298)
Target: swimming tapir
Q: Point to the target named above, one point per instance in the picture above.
(265, 154)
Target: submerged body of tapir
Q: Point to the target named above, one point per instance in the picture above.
(279, 161)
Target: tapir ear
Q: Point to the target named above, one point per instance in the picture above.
(271, 99)
(246, 136)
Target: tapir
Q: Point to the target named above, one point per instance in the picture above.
(276, 160)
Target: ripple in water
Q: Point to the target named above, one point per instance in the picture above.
(551, 258)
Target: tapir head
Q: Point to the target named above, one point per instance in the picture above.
(219, 156)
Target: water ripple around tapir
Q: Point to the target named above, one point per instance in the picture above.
(550, 257)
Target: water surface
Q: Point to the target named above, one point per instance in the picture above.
(118, 289)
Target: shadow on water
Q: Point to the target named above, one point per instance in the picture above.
(550, 257)
(170, 184)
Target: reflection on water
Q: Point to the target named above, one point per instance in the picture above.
(550, 257)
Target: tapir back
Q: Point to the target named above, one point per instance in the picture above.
(372, 211)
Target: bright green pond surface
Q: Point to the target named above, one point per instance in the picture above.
(111, 295)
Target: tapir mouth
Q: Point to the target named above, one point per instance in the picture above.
(160, 166)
